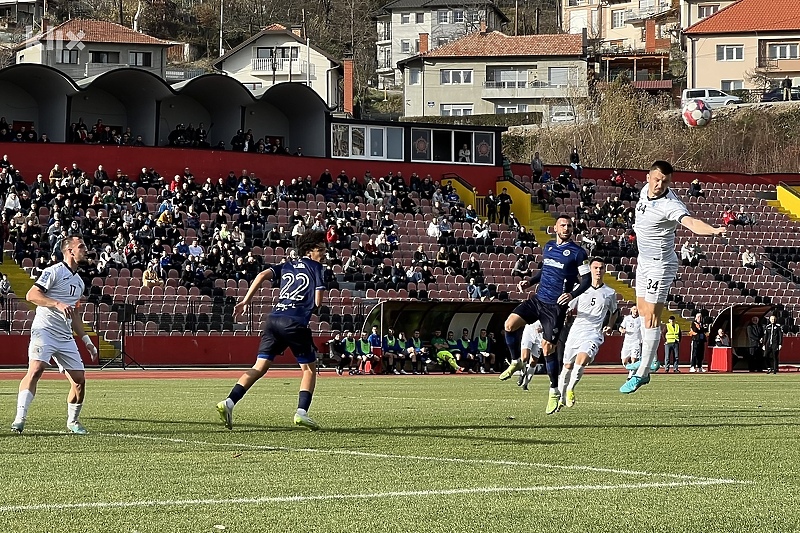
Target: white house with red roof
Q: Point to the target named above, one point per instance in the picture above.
(493, 73)
(278, 55)
(741, 44)
(82, 48)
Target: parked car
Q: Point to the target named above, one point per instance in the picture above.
(713, 97)
(563, 116)
(776, 95)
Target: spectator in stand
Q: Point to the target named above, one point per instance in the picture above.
(617, 177)
(749, 259)
(521, 268)
(480, 231)
(491, 207)
(5, 288)
(464, 154)
(150, 277)
(544, 197)
(730, 218)
(575, 162)
(476, 291)
(525, 238)
(513, 222)
(745, 219)
(195, 250)
(420, 257)
(695, 189)
(689, 256)
(504, 202)
(537, 167)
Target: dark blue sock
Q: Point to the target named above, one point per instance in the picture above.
(236, 393)
(553, 370)
(513, 343)
(305, 400)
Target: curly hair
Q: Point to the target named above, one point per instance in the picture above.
(308, 241)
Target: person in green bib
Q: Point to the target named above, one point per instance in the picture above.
(350, 349)
(402, 346)
(366, 356)
(418, 353)
(483, 349)
(444, 356)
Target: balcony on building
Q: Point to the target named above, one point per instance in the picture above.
(281, 65)
(632, 16)
(532, 89)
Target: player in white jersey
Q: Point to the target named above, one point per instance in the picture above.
(631, 328)
(658, 214)
(596, 310)
(56, 294)
(531, 345)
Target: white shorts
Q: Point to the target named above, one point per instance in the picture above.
(529, 342)
(44, 347)
(631, 351)
(576, 344)
(654, 279)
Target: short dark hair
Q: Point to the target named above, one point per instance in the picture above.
(662, 166)
(310, 240)
(564, 215)
(597, 259)
(672, 317)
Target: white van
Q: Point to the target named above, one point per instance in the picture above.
(713, 97)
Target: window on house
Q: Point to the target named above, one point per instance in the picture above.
(420, 18)
(647, 5)
(405, 46)
(474, 16)
(617, 18)
(731, 85)
(560, 76)
(442, 17)
(456, 77)
(441, 41)
(253, 86)
(730, 52)
(455, 110)
(405, 18)
(105, 57)
(416, 46)
(140, 59)
(414, 76)
(458, 16)
(67, 56)
(783, 51)
(707, 10)
(507, 77)
(502, 109)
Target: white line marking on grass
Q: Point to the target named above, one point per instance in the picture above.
(363, 496)
(459, 460)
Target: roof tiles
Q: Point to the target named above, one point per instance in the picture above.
(746, 16)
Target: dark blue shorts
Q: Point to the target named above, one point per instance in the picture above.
(281, 332)
(551, 316)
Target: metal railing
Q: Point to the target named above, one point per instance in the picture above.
(281, 65)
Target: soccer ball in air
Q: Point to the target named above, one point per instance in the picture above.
(696, 113)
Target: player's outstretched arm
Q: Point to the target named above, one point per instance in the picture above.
(37, 296)
(698, 227)
(241, 307)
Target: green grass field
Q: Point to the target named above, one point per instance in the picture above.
(686, 453)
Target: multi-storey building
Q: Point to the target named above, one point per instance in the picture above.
(400, 23)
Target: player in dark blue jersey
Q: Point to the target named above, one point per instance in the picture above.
(301, 293)
(564, 276)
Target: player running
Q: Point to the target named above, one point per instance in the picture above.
(658, 213)
(563, 267)
(596, 313)
(56, 294)
(631, 328)
(302, 288)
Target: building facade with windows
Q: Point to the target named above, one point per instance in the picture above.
(750, 44)
(630, 38)
(693, 11)
(279, 55)
(403, 24)
(493, 73)
(83, 48)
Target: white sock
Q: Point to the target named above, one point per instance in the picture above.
(650, 341)
(554, 391)
(563, 380)
(24, 399)
(302, 412)
(577, 374)
(529, 371)
(73, 412)
(229, 403)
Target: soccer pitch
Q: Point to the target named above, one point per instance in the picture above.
(687, 453)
